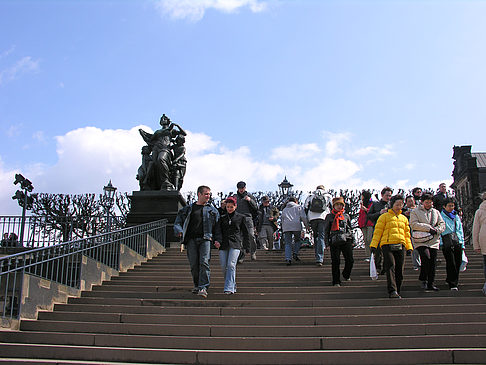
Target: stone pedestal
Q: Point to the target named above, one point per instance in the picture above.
(149, 206)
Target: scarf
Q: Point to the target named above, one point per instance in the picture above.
(338, 216)
(451, 215)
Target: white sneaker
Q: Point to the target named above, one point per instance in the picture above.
(203, 292)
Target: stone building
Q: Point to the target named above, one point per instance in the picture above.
(469, 182)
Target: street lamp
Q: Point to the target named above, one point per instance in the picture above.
(108, 200)
(285, 187)
(24, 200)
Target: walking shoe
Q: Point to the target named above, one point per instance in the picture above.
(289, 262)
(423, 285)
(432, 288)
(253, 256)
(454, 288)
(394, 294)
(296, 258)
(228, 292)
(337, 284)
(319, 263)
(195, 290)
(366, 260)
(241, 257)
(203, 293)
(347, 279)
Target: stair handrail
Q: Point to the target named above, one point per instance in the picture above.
(61, 262)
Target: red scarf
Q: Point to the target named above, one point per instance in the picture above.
(338, 216)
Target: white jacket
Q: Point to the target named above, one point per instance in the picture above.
(479, 229)
(423, 220)
(293, 216)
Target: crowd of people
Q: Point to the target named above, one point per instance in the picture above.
(418, 225)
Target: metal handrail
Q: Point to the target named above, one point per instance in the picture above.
(61, 263)
(42, 231)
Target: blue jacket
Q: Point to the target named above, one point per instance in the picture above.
(452, 226)
(210, 218)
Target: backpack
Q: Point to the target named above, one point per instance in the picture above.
(318, 203)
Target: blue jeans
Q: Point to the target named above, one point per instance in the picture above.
(291, 245)
(228, 259)
(199, 254)
(317, 226)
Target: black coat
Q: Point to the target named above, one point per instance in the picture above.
(344, 226)
(232, 227)
(374, 211)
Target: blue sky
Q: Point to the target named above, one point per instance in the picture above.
(348, 94)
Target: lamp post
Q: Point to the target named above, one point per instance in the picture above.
(285, 188)
(24, 200)
(107, 202)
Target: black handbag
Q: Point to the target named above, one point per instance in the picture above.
(338, 238)
(450, 240)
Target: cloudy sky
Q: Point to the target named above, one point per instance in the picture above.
(348, 94)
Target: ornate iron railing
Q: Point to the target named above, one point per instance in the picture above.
(41, 231)
(61, 263)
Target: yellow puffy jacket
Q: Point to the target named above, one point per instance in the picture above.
(392, 228)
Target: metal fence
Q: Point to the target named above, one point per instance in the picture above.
(42, 231)
(61, 263)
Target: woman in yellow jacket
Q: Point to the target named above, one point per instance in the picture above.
(392, 233)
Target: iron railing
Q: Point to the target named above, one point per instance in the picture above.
(42, 231)
(61, 263)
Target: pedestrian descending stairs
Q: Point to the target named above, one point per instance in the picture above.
(280, 315)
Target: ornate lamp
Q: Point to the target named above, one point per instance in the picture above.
(108, 199)
(285, 187)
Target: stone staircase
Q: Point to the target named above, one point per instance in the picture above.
(280, 315)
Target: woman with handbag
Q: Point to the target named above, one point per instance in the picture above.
(339, 237)
(427, 225)
(392, 234)
(452, 242)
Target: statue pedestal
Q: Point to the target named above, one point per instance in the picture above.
(149, 206)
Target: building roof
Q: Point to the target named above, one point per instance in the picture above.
(480, 159)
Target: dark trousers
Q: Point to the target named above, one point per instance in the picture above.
(347, 251)
(393, 263)
(249, 243)
(428, 259)
(453, 258)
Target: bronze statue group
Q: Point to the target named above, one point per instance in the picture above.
(418, 225)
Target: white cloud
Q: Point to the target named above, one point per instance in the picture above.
(39, 136)
(332, 173)
(13, 130)
(22, 66)
(336, 142)
(295, 152)
(7, 52)
(372, 150)
(194, 10)
(89, 157)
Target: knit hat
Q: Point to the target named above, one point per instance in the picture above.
(231, 199)
(241, 184)
(339, 199)
(320, 187)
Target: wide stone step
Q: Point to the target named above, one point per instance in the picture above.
(265, 311)
(250, 330)
(247, 343)
(275, 320)
(158, 356)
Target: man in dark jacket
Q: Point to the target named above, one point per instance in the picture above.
(247, 205)
(266, 223)
(440, 197)
(197, 225)
(377, 209)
